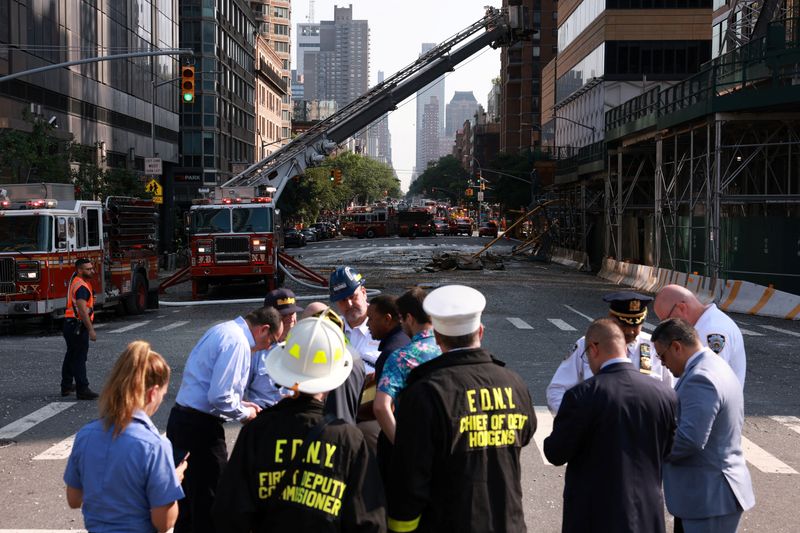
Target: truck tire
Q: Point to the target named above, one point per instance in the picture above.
(136, 302)
(152, 299)
(370, 233)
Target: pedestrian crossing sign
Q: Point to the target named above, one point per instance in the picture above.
(155, 188)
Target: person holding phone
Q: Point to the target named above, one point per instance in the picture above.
(121, 470)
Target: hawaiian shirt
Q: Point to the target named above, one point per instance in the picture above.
(402, 361)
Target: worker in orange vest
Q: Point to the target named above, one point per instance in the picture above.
(78, 331)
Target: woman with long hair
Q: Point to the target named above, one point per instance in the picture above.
(121, 470)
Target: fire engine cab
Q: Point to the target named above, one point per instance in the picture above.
(44, 230)
(234, 236)
(365, 221)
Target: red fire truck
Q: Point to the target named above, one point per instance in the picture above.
(43, 230)
(369, 222)
(234, 236)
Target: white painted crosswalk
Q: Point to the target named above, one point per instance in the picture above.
(560, 324)
(791, 422)
(130, 327)
(519, 323)
(22, 425)
(173, 325)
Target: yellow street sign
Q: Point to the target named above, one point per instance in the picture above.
(155, 188)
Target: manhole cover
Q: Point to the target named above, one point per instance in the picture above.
(4, 443)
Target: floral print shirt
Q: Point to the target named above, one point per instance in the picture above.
(402, 361)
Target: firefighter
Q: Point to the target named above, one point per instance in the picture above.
(78, 331)
(461, 424)
(295, 468)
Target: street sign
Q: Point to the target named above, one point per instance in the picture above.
(155, 188)
(152, 166)
(480, 196)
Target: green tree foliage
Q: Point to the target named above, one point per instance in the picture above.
(447, 179)
(93, 182)
(35, 156)
(364, 181)
(508, 192)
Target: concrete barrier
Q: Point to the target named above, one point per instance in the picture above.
(571, 258)
(736, 296)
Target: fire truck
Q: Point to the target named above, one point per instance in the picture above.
(415, 222)
(234, 236)
(43, 230)
(369, 222)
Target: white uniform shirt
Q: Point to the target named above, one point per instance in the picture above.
(574, 370)
(362, 342)
(720, 333)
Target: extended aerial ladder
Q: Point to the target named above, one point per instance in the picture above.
(502, 28)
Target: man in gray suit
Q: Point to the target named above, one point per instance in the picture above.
(706, 482)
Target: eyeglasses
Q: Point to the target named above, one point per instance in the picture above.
(661, 355)
(586, 349)
(669, 315)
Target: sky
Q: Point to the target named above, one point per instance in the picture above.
(397, 31)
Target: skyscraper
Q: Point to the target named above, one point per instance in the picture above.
(462, 107)
(381, 133)
(424, 147)
(429, 138)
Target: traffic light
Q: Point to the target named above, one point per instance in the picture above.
(338, 176)
(483, 185)
(333, 174)
(187, 84)
(468, 192)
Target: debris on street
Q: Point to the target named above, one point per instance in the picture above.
(462, 261)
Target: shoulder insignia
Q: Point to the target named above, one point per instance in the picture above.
(716, 341)
(572, 351)
(645, 359)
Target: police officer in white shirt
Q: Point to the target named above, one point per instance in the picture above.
(629, 309)
(716, 330)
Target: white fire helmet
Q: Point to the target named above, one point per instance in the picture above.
(313, 359)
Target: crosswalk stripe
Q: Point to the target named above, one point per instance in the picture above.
(98, 326)
(791, 422)
(519, 323)
(130, 327)
(40, 415)
(173, 325)
(57, 451)
(587, 317)
(176, 311)
(560, 324)
(544, 426)
(763, 460)
(780, 330)
(750, 332)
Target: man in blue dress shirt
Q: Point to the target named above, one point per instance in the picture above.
(213, 385)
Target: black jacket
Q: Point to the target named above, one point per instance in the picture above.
(461, 424)
(613, 431)
(335, 488)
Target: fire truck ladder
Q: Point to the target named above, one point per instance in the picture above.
(502, 28)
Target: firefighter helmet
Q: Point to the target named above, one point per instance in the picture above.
(343, 282)
(313, 359)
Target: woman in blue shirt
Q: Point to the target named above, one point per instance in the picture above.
(121, 469)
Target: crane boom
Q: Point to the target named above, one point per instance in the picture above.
(502, 28)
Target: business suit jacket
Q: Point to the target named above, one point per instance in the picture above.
(705, 474)
(613, 431)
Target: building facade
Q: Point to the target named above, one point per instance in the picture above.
(462, 107)
(270, 91)
(428, 147)
(383, 138)
(431, 131)
(274, 24)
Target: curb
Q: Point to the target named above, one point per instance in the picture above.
(735, 296)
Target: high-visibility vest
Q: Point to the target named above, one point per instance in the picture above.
(72, 310)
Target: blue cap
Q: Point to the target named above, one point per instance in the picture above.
(629, 307)
(343, 283)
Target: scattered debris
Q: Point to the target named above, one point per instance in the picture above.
(462, 261)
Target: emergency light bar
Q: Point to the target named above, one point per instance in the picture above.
(39, 203)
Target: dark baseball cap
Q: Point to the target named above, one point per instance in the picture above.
(283, 300)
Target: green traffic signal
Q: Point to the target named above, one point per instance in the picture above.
(187, 97)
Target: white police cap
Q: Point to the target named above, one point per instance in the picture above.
(455, 309)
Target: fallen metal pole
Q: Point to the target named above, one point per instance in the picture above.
(512, 226)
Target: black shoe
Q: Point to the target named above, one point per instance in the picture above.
(66, 391)
(87, 394)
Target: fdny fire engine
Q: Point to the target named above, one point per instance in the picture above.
(364, 221)
(43, 230)
(234, 236)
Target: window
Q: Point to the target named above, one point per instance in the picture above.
(93, 227)
(280, 29)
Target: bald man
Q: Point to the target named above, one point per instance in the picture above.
(716, 330)
(613, 430)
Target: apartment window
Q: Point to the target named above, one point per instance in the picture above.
(658, 60)
(280, 29)
(280, 12)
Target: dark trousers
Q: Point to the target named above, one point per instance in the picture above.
(203, 437)
(74, 365)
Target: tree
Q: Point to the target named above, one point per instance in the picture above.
(510, 193)
(93, 182)
(35, 156)
(446, 179)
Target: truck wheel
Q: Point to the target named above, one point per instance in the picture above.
(136, 302)
(370, 233)
(152, 299)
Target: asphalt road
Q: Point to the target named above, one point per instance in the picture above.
(534, 314)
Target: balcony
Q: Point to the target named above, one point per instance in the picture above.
(272, 78)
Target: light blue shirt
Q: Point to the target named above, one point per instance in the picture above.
(615, 360)
(217, 371)
(262, 390)
(122, 478)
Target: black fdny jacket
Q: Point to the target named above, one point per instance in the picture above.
(461, 424)
(336, 487)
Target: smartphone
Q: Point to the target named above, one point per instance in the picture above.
(179, 455)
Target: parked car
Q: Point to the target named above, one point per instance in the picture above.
(441, 226)
(488, 229)
(292, 237)
(325, 230)
(310, 235)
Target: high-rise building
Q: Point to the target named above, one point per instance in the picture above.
(435, 89)
(383, 138)
(274, 24)
(306, 40)
(218, 130)
(493, 102)
(521, 79)
(462, 107)
(431, 131)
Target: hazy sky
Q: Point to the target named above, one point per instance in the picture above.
(397, 31)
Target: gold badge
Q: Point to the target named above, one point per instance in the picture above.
(645, 360)
(634, 306)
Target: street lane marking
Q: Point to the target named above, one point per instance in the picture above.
(763, 460)
(176, 311)
(98, 326)
(587, 317)
(780, 330)
(544, 426)
(560, 324)
(791, 422)
(519, 323)
(750, 332)
(57, 451)
(173, 325)
(40, 415)
(130, 327)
